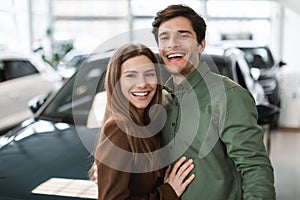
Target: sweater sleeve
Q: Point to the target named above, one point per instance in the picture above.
(114, 179)
(244, 144)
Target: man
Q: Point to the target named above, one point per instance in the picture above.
(211, 119)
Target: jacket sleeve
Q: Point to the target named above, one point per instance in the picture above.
(113, 182)
(243, 139)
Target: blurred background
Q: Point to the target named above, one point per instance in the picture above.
(51, 39)
(32, 24)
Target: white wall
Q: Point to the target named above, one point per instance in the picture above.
(291, 39)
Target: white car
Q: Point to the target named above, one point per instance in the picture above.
(22, 77)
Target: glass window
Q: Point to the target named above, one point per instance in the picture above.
(226, 8)
(238, 30)
(74, 100)
(18, 68)
(150, 8)
(259, 57)
(90, 8)
(89, 33)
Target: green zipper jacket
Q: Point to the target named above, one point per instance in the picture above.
(213, 120)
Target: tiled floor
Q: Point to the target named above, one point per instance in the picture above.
(285, 156)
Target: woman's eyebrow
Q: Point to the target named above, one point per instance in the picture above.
(130, 71)
(134, 71)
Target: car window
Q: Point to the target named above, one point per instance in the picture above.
(259, 57)
(75, 61)
(218, 64)
(12, 69)
(73, 102)
(2, 77)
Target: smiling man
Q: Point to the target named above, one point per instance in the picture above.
(211, 119)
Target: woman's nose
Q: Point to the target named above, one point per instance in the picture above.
(141, 81)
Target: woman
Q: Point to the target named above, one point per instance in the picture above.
(127, 155)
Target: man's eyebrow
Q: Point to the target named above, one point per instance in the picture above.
(150, 70)
(178, 31)
(184, 31)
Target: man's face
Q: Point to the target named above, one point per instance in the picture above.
(178, 47)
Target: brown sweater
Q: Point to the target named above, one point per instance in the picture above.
(115, 181)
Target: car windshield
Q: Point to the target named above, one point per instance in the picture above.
(259, 57)
(74, 61)
(75, 99)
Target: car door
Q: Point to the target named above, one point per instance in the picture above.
(246, 81)
(20, 81)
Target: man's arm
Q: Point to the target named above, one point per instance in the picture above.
(243, 138)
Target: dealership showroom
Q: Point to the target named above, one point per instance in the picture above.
(53, 60)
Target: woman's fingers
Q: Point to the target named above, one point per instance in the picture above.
(177, 165)
(179, 177)
(185, 169)
(188, 181)
(167, 173)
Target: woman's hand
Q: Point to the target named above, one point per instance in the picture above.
(177, 178)
(93, 174)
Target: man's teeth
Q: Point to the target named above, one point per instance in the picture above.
(141, 94)
(175, 55)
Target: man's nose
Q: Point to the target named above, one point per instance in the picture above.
(173, 42)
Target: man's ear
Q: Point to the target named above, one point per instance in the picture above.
(202, 46)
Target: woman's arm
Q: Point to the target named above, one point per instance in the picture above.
(114, 183)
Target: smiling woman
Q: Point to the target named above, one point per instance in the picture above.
(126, 158)
(138, 81)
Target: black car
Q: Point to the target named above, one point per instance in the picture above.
(261, 58)
(55, 145)
(231, 62)
(53, 151)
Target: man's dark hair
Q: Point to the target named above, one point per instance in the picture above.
(172, 11)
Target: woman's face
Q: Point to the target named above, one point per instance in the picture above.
(138, 81)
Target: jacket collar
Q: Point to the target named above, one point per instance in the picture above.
(189, 82)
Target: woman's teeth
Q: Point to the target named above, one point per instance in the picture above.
(140, 94)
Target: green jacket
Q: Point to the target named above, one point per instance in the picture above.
(213, 120)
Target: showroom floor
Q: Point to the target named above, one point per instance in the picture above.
(285, 156)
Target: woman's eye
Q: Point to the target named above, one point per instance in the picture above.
(130, 75)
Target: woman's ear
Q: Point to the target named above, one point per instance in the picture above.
(202, 46)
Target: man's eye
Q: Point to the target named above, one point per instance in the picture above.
(150, 74)
(163, 38)
(183, 36)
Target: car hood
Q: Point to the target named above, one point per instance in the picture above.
(33, 127)
(40, 150)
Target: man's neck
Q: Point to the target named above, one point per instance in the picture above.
(178, 78)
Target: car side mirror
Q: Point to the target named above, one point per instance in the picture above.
(281, 63)
(35, 103)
